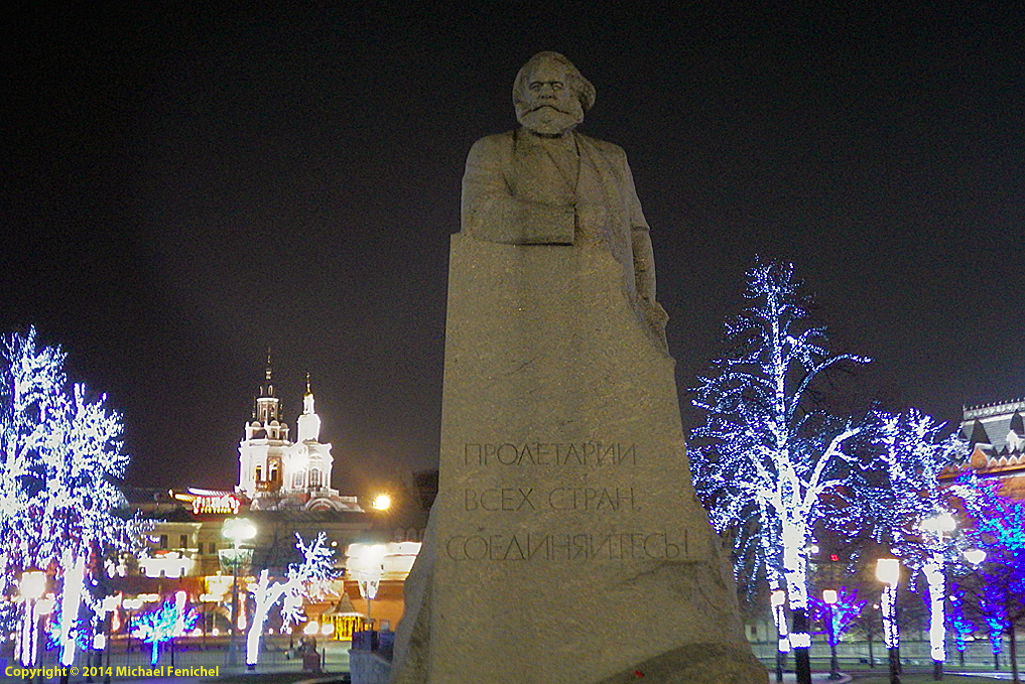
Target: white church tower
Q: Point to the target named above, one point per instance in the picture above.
(276, 473)
(261, 452)
(308, 462)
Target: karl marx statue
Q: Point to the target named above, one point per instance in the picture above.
(547, 184)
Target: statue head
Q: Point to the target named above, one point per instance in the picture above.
(550, 95)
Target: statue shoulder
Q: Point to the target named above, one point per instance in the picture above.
(492, 145)
(608, 149)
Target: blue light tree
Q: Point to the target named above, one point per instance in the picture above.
(958, 622)
(173, 618)
(61, 462)
(994, 613)
(842, 614)
(766, 455)
(999, 530)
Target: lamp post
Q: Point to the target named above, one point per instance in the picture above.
(237, 530)
(933, 530)
(888, 572)
(778, 600)
(367, 566)
(130, 605)
(829, 598)
(975, 557)
(110, 604)
(32, 587)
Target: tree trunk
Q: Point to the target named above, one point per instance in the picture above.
(1014, 656)
(802, 662)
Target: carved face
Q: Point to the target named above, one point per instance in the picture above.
(550, 106)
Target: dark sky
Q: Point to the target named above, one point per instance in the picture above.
(182, 188)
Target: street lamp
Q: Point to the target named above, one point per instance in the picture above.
(130, 605)
(237, 530)
(975, 556)
(933, 530)
(829, 598)
(32, 587)
(778, 600)
(110, 604)
(382, 502)
(888, 572)
(367, 566)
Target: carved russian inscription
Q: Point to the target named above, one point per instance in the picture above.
(568, 547)
(531, 490)
(595, 454)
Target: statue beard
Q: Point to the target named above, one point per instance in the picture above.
(547, 121)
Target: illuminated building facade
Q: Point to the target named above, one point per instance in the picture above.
(185, 551)
(283, 489)
(996, 435)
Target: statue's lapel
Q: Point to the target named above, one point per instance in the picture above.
(553, 177)
(597, 184)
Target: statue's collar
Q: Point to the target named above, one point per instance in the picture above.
(528, 137)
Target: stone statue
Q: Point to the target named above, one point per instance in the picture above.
(566, 543)
(547, 184)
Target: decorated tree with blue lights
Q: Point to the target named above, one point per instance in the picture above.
(998, 529)
(767, 454)
(841, 614)
(306, 579)
(61, 462)
(172, 619)
(958, 622)
(994, 613)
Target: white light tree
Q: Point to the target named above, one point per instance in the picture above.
(61, 462)
(908, 509)
(766, 454)
(305, 579)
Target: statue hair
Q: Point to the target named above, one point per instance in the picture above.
(582, 88)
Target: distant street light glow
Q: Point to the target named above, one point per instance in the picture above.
(975, 556)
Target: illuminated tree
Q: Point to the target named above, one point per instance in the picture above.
(958, 622)
(60, 466)
(766, 455)
(306, 579)
(901, 502)
(173, 618)
(843, 613)
(998, 528)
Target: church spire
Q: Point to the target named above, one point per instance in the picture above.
(267, 389)
(309, 421)
(308, 397)
(268, 407)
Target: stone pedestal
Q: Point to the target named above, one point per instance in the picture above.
(566, 543)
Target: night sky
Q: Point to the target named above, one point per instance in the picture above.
(183, 188)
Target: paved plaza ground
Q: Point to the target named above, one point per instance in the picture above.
(276, 668)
